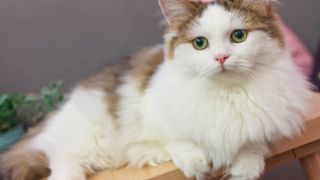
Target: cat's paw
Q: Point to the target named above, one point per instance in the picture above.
(193, 165)
(249, 168)
(189, 158)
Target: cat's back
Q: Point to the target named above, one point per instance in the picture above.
(140, 65)
(134, 72)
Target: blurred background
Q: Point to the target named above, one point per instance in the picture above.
(46, 40)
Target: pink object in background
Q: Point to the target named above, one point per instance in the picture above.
(300, 55)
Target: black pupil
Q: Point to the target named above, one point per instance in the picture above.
(199, 42)
(239, 34)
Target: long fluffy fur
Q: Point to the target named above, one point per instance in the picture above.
(177, 103)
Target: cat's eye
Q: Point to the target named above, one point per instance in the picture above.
(239, 35)
(200, 43)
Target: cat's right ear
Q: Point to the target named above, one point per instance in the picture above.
(175, 10)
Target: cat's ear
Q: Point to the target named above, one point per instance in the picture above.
(263, 7)
(266, 2)
(174, 10)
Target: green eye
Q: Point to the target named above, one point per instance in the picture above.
(200, 43)
(239, 35)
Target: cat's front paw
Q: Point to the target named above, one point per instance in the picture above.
(189, 158)
(247, 169)
(193, 166)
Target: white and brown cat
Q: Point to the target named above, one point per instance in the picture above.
(218, 91)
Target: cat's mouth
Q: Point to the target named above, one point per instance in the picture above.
(221, 70)
(224, 69)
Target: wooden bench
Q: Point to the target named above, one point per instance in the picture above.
(305, 148)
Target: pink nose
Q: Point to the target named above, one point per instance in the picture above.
(221, 58)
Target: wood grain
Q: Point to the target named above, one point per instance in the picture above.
(311, 165)
(136, 174)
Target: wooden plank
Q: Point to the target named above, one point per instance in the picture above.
(307, 150)
(279, 159)
(136, 174)
(311, 166)
(174, 175)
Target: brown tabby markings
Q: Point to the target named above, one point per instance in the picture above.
(140, 66)
(257, 15)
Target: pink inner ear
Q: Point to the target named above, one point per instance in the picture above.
(171, 8)
(163, 7)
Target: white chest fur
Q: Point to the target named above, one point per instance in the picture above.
(221, 120)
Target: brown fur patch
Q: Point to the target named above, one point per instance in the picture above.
(141, 66)
(144, 65)
(108, 80)
(21, 163)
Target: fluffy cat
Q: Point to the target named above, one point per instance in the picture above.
(218, 91)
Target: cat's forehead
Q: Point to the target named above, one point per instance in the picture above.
(216, 18)
(224, 13)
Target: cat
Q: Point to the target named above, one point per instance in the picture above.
(213, 96)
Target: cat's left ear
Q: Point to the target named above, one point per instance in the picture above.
(265, 2)
(178, 10)
(263, 7)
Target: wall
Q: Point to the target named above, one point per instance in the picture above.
(45, 40)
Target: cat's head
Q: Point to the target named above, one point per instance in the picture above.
(223, 37)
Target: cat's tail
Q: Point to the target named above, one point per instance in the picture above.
(22, 162)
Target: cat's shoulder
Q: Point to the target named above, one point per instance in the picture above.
(140, 65)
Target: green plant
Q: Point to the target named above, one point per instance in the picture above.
(9, 105)
(28, 110)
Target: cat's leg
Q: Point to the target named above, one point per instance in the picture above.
(190, 158)
(249, 163)
(147, 154)
(63, 168)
